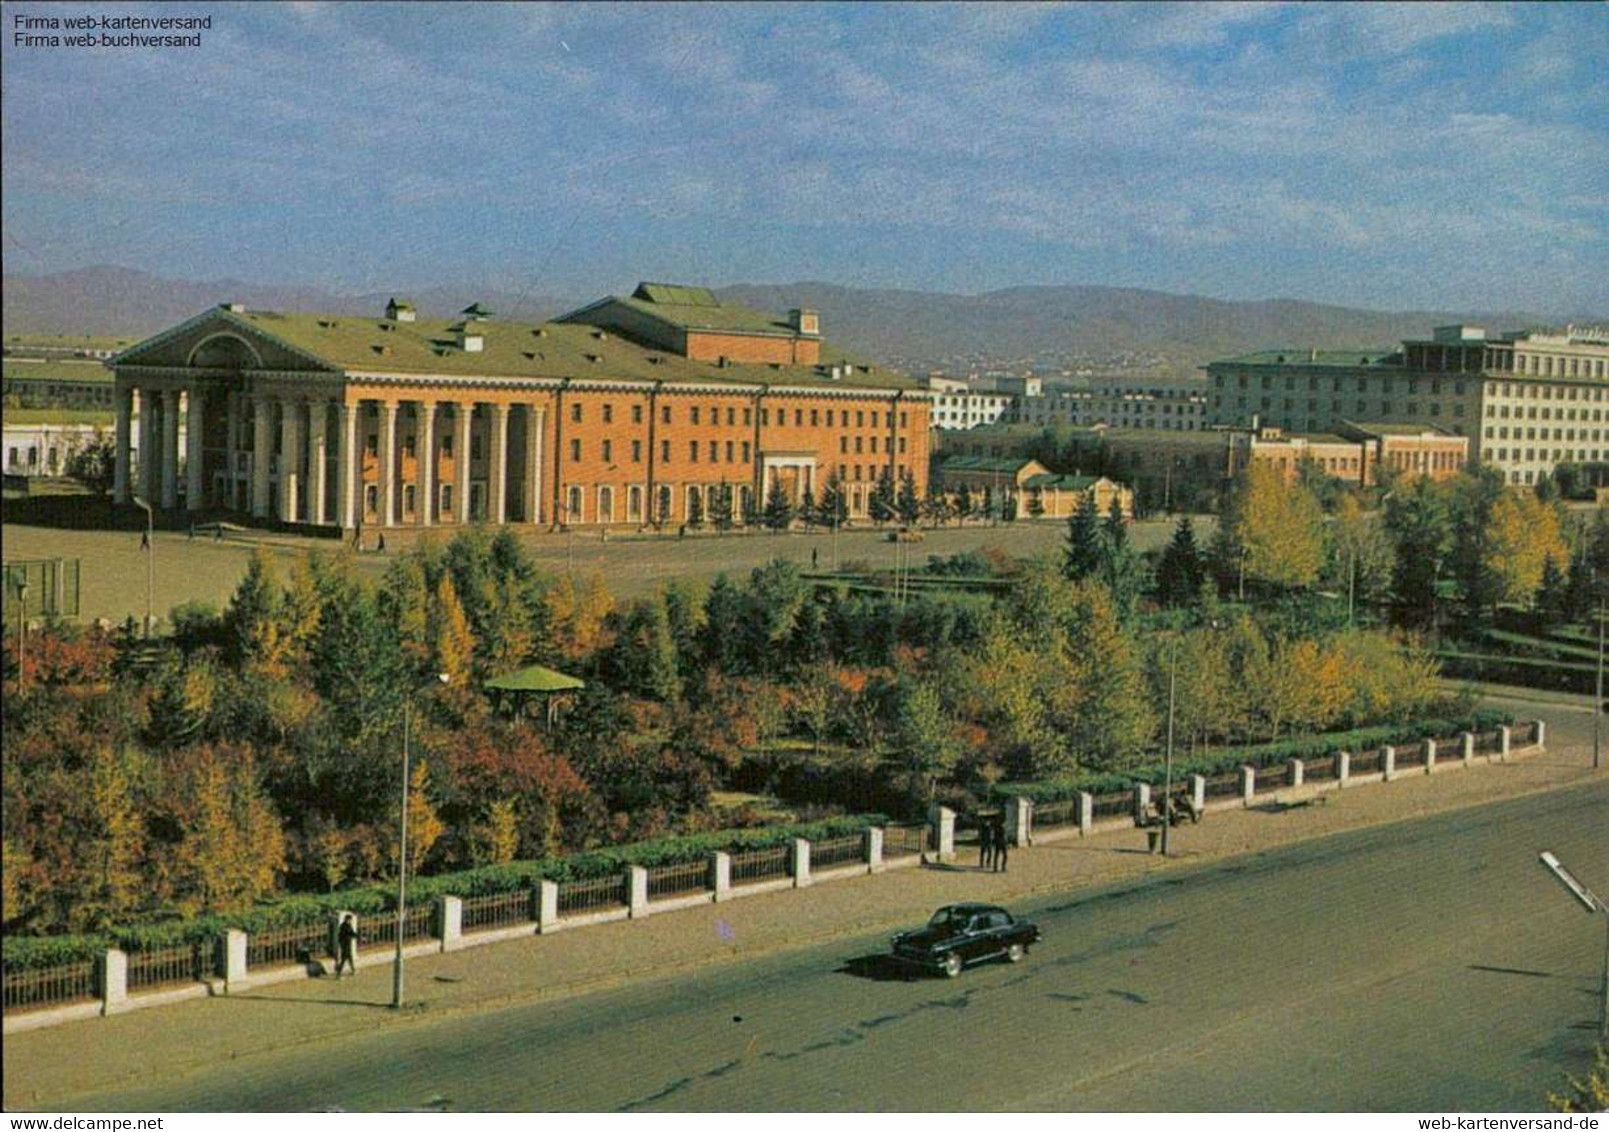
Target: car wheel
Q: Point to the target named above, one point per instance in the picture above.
(952, 965)
(1015, 952)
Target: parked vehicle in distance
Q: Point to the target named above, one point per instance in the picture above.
(960, 934)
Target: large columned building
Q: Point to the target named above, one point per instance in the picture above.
(620, 413)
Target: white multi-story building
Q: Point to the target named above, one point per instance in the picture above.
(1119, 402)
(956, 404)
(1528, 400)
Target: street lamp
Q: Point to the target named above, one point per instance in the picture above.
(1597, 702)
(22, 623)
(1167, 787)
(402, 843)
(1593, 903)
(150, 561)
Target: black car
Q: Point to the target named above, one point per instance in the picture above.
(959, 934)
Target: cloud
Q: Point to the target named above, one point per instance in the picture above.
(1197, 24)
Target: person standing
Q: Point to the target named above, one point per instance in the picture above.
(998, 837)
(985, 842)
(346, 938)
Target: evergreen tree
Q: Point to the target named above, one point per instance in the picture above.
(695, 510)
(751, 509)
(1553, 594)
(721, 510)
(725, 615)
(1120, 565)
(882, 505)
(253, 619)
(834, 504)
(907, 505)
(1475, 494)
(778, 508)
(808, 512)
(1180, 571)
(989, 511)
(1420, 522)
(1083, 554)
(963, 503)
(643, 656)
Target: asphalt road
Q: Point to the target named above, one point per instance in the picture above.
(1422, 966)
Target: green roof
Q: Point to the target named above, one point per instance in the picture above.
(58, 417)
(1292, 356)
(547, 351)
(676, 295)
(92, 372)
(535, 679)
(1067, 483)
(68, 341)
(1004, 465)
(691, 308)
(477, 311)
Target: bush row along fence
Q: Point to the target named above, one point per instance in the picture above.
(444, 921)
(1198, 793)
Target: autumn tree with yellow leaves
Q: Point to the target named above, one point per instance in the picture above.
(1280, 527)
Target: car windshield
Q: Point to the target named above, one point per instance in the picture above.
(948, 918)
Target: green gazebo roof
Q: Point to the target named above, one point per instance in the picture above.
(536, 679)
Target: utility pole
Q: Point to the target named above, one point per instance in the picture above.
(1167, 789)
(402, 845)
(1597, 703)
(150, 562)
(22, 622)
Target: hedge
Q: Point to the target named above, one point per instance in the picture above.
(1528, 672)
(1267, 754)
(29, 952)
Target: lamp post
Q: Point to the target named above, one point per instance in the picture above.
(402, 845)
(150, 561)
(1597, 702)
(1593, 903)
(22, 623)
(1167, 787)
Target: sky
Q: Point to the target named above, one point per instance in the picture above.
(1413, 156)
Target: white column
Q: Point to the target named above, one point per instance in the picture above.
(318, 418)
(346, 465)
(195, 412)
(290, 459)
(120, 465)
(426, 441)
(170, 448)
(388, 463)
(497, 466)
(231, 445)
(464, 411)
(146, 469)
(536, 420)
(262, 408)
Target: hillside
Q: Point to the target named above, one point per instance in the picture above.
(1075, 325)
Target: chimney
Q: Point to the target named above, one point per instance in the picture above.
(471, 339)
(400, 310)
(804, 321)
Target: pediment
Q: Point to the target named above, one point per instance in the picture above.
(218, 340)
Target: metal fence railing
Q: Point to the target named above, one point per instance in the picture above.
(380, 929)
(1319, 769)
(1223, 786)
(1365, 762)
(43, 987)
(1113, 805)
(1524, 734)
(1488, 742)
(169, 966)
(904, 840)
(283, 947)
(1411, 754)
(499, 909)
(590, 895)
(1049, 814)
(837, 851)
(677, 880)
(760, 864)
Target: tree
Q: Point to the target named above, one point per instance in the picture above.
(424, 826)
(809, 513)
(963, 503)
(253, 620)
(778, 507)
(1120, 565)
(1419, 519)
(721, 516)
(695, 510)
(1523, 538)
(1358, 552)
(1180, 570)
(1552, 595)
(882, 504)
(1478, 563)
(94, 463)
(1589, 1093)
(643, 658)
(908, 505)
(923, 743)
(577, 614)
(834, 505)
(497, 839)
(989, 511)
(114, 846)
(1083, 553)
(1279, 525)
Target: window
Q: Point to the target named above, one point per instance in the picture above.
(729, 451)
(608, 451)
(843, 445)
(714, 456)
(446, 499)
(446, 444)
(693, 414)
(371, 444)
(815, 417)
(692, 448)
(573, 511)
(608, 414)
(407, 499)
(731, 415)
(606, 505)
(634, 503)
(798, 417)
(371, 498)
(575, 412)
(575, 449)
(636, 415)
(745, 451)
(664, 413)
(636, 451)
(664, 451)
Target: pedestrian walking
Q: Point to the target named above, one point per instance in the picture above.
(347, 938)
(380, 546)
(985, 842)
(145, 540)
(815, 557)
(1001, 846)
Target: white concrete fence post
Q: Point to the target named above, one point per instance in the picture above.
(1430, 756)
(1298, 772)
(1542, 730)
(637, 888)
(449, 925)
(1504, 736)
(231, 957)
(547, 906)
(1388, 763)
(1142, 802)
(1086, 813)
(1248, 784)
(1019, 822)
(720, 878)
(874, 849)
(801, 863)
(1198, 792)
(112, 975)
(1468, 739)
(1343, 769)
(942, 819)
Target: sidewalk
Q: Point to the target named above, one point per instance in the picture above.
(47, 1068)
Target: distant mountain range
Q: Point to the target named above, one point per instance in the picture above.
(912, 328)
